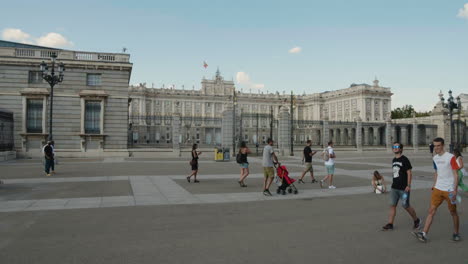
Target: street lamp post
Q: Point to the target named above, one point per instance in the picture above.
(451, 105)
(271, 121)
(234, 102)
(256, 137)
(52, 79)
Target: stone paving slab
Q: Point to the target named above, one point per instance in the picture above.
(63, 189)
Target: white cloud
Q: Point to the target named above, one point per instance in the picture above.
(463, 12)
(14, 34)
(54, 40)
(51, 39)
(243, 78)
(295, 50)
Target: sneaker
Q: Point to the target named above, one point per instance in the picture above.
(47, 174)
(321, 183)
(331, 187)
(387, 227)
(301, 181)
(314, 180)
(267, 193)
(417, 224)
(420, 236)
(456, 237)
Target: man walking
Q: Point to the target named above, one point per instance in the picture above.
(307, 159)
(49, 157)
(401, 187)
(268, 168)
(444, 189)
(329, 158)
(51, 143)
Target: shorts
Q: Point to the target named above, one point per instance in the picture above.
(396, 195)
(195, 166)
(439, 196)
(244, 165)
(330, 169)
(308, 167)
(268, 172)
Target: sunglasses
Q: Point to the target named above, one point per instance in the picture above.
(396, 147)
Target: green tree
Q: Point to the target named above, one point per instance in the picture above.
(403, 112)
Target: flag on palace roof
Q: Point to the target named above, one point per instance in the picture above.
(205, 64)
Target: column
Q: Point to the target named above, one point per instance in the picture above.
(366, 136)
(404, 135)
(376, 136)
(388, 137)
(176, 125)
(325, 134)
(226, 127)
(284, 132)
(359, 135)
(415, 136)
(343, 137)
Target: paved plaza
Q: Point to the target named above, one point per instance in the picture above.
(131, 210)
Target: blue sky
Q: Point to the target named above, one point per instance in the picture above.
(415, 47)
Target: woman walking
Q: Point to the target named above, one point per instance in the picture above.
(243, 163)
(194, 163)
(461, 170)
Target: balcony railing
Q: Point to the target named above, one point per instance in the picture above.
(67, 55)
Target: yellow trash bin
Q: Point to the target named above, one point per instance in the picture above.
(218, 154)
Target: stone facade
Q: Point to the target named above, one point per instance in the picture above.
(94, 83)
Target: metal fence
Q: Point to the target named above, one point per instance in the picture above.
(6, 131)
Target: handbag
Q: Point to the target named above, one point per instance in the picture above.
(192, 162)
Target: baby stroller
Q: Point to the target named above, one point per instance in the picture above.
(284, 181)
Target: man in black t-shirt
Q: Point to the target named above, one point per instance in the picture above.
(401, 187)
(49, 157)
(307, 160)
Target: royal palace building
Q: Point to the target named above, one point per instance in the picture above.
(257, 115)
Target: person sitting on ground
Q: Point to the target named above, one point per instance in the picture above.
(378, 183)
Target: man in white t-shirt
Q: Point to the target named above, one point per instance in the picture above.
(329, 165)
(444, 189)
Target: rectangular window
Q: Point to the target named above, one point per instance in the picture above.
(35, 77)
(34, 116)
(92, 117)
(93, 79)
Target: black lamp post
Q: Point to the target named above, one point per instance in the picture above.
(52, 79)
(234, 102)
(451, 105)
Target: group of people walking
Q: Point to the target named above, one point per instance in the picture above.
(449, 171)
(270, 160)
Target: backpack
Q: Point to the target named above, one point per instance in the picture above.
(326, 155)
(239, 158)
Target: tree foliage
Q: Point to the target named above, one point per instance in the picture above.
(407, 112)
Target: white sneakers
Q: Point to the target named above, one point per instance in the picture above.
(331, 187)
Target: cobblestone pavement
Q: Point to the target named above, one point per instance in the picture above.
(144, 211)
